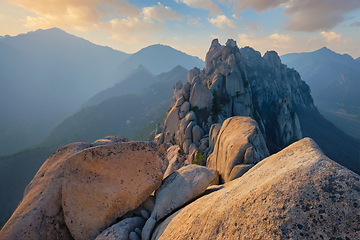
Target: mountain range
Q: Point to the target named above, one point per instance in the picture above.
(334, 80)
(46, 75)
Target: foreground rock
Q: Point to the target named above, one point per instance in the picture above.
(40, 215)
(103, 183)
(297, 193)
(239, 142)
(176, 190)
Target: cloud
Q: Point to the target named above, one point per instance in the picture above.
(195, 22)
(203, 4)
(303, 15)
(141, 29)
(331, 36)
(281, 43)
(355, 24)
(310, 16)
(289, 43)
(222, 21)
(259, 6)
(2, 16)
(82, 14)
(160, 13)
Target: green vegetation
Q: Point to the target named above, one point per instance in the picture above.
(199, 158)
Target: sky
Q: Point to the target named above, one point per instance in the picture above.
(285, 26)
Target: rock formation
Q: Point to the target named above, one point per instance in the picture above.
(239, 146)
(297, 193)
(237, 82)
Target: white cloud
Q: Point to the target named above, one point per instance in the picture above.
(161, 13)
(331, 36)
(222, 21)
(203, 4)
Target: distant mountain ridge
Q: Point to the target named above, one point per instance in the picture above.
(46, 75)
(137, 80)
(334, 80)
(157, 59)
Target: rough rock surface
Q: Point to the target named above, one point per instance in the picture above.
(176, 161)
(103, 183)
(121, 230)
(200, 96)
(177, 189)
(40, 214)
(236, 136)
(297, 193)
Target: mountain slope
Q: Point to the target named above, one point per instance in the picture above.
(120, 115)
(137, 80)
(334, 80)
(44, 76)
(158, 59)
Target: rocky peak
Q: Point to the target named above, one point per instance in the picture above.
(237, 82)
(273, 58)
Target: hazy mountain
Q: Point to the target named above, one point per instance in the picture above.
(358, 59)
(120, 115)
(137, 80)
(334, 80)
(157, 59)
(44, 77)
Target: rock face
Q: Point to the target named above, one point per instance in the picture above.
(297, 193)
(103, 183)
(239, 142)
(238, 82)
(40, 214)
(177, 189)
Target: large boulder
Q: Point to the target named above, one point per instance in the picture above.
(297, 193)
(236, 135)
(177, 189)
(103, 183)
(171, 125)
(40, 214)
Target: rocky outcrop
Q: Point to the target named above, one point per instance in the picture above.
(103, 183)
(297, 193)
(238, 147)
(238, 82)
(77, 190)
